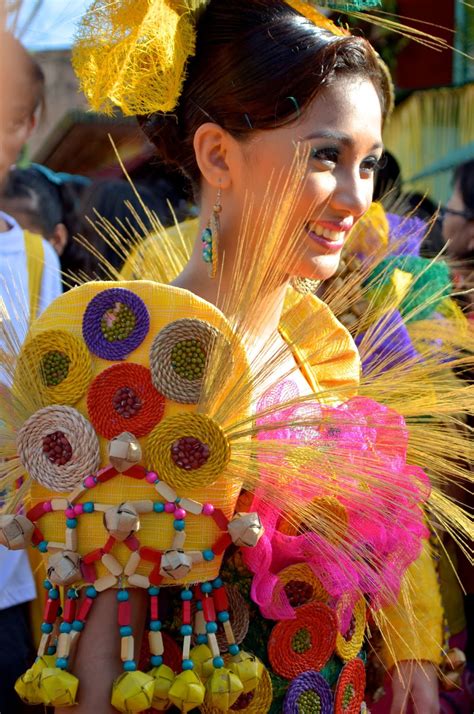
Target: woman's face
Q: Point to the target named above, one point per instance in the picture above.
(457, 230)
(341, 130)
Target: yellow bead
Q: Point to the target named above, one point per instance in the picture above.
(223, 689)
(58, 687)
(133, 692)
(187, 691)
(248, 669)
(163, 677)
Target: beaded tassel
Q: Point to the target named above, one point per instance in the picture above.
(127, 643)
(155, 638)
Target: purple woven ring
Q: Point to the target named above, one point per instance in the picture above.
(91, 324)
(308, 682)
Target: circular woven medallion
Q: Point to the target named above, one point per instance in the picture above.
(115, 323)
(179, 356)
(161, 456)
(308, 693)
(350, 688)
(348, 646)
(123, 398)
(57, 365)
(257, 701)
(77, 453)
(300, 585)
(304, 643)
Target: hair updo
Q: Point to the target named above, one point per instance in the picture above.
(257, 66)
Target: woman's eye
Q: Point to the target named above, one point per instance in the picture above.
(327, 156)
(371, 164)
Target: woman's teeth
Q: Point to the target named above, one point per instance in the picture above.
(326, 233)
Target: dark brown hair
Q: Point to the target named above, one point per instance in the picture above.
(258, 65)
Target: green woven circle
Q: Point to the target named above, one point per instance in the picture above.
(331, 671)
(348, 695)
(118, 323)
(309, 702)
(301, 641)
(54, 368)
(188, 359)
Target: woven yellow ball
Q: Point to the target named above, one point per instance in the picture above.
(187, 691)
(133, 692)
(248, 669)
(223, 688)
(27, 686)
(57, 687)
(163, 677)
(202, 657)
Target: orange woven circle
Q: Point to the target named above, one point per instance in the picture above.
(29, 376)
(320, 622)
(100, 401)
(81, 437)
(349, 648)
(352, 675)
(175, 427)
(301, 573)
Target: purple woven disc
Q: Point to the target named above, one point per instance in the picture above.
(92, 324)
(308, 682)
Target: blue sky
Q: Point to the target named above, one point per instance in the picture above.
(53, 26)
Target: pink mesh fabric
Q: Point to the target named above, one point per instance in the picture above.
(381, 493)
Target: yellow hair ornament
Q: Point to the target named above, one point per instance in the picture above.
(316, 17)
(132, 53)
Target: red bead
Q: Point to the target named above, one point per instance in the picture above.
(69, 613)
(124, 613)
(154, 607)
(136, 471)
(106, 474)
(88, 572)
(197, 592)
(132, 543)
(150, 554)
(208, 609)
(155, 576)
(93, 556)
(109, 545)
(85, 608)
(220, 599)
(37, 536)
(221, 544)
(220, 519)
(51, 608)
(186, 612)
(35, 513)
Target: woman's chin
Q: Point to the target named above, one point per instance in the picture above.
(321, 268)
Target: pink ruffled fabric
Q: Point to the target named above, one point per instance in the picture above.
(385, 517)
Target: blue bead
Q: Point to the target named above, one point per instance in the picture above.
(208, 555)
(155, 625)
(153, 591)
(53, 594)
(223, 616)
(187, 664)
(186, 630)
(122, 595)
(43, 546)
(158, 507)
(77, 625)
(217, 583)
(201, 639)
(51, 651)
(88, 507)
(198, 605)
(125, 631)
(46, 628)
(129, 665)
(91, 592)
(71, 522)
(211, 628)
(156, 660)
(61, 662)
(47, 585)
(179, 524)
(218, 662)
(234, 650)
(186, 595)
(206, 588)
(65, 627)
(72, 594)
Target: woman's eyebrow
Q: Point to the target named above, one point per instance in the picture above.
(338, 136)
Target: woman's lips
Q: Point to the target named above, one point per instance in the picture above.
(328, 238)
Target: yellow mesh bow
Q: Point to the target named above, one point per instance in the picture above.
(132, 53)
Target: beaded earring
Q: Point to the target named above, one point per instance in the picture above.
(210, 237)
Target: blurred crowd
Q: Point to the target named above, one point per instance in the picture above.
(83, 229)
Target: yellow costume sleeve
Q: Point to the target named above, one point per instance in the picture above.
(413, 629)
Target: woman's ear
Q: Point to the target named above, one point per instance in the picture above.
(59, 238)
(215, 152)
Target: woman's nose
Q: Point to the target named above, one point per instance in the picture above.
(353, 194)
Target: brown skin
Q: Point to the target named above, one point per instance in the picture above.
(334, 190)
(457, 231)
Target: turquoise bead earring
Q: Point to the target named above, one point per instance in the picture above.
(210, 238)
